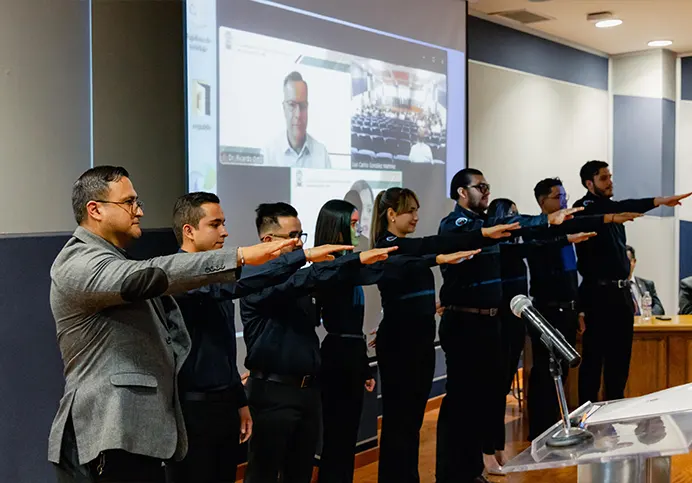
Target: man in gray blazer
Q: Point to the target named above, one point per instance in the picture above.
(122, 336)
(639, 286)
(685, 296)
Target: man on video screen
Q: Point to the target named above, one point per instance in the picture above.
(296, 148)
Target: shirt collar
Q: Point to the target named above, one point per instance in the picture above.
(305, 150)
(90, 237)
(467, 213)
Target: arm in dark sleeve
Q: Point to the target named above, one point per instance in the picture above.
(305, 281)
(394, 268)
(267, 275)
(579, 224)
(625, 206)
(462, 224)
(436, 244)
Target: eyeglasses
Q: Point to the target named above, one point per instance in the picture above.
(561, 197)
(292, 105)
(294, 234)
(482, 187)
(131, 205)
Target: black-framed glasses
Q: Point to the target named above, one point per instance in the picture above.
(294, 234)
(131, 205)
(482, 187)
(560, 197)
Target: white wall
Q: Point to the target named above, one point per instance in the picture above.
(44, 112)
(523, 128)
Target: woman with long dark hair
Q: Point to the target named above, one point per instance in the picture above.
(406, 335)
(345, 369)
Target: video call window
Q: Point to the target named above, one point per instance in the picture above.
(308, 107)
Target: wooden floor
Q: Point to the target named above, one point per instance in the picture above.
(515, 427)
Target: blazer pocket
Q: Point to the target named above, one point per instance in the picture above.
(134, 379)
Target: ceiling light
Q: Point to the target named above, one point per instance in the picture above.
(660, 43)
(604, 24)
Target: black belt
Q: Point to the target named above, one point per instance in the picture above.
(572, 305)
(613, 283)
(225, 395)
(492, 312)
(348, 336)
(297, 381)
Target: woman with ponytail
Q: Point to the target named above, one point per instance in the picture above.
(406, 335)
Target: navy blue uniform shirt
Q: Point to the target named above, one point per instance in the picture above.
(604, 257)
(477, 283)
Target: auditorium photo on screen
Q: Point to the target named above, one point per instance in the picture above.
(309, 107)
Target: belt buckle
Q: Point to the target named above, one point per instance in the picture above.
(573, 305)
(493, 312)
(304, 382)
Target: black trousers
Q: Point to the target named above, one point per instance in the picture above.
(342, 382)
(286, 426)
(544, 409)
(474, 366)
(607, 342)
(406, 360)
(512, 338)
(112, 466)
(213, 430)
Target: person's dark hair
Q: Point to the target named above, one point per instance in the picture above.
(589, 171)
(188, 211)
(500, 208)
(545, 186)
(294, 77)
(93, 185)
(267, 215)
(631, 250)
(461, 180)
(353, 197)
(334, 223)
(395, 198)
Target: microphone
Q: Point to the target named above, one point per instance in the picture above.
(522, 307)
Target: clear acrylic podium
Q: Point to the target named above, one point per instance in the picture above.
(635, 449)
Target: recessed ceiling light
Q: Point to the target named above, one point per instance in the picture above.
(660, 43)
(604, 24)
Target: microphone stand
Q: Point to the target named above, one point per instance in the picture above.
(567, 435)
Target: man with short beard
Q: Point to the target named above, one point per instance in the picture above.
(608, 309)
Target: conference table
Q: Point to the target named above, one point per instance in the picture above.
(661, 358)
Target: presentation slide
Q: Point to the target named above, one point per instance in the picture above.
(304, 101)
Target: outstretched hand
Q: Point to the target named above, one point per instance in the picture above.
(457, 257)
(324, 253)
(500, 231)
(561, 216)
(580, 237)
(263, 252)
(670, 200)
(376, 255)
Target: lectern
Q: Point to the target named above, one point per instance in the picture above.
(633, 440)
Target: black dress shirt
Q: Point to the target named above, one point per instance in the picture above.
(209, 315)
(604, 257)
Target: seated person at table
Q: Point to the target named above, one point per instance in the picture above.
(640, 286)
